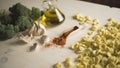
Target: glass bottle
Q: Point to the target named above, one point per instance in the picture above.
(52, 16)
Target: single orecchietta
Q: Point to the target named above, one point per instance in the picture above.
(58, 65)
(68, 63)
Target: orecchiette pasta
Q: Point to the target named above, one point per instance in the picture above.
(100, 51)
(104, 47)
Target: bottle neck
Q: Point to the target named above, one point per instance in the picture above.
(49, 4)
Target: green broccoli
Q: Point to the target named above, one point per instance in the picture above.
(2, 28)
(2, 12)
(6, 19)
(19, 10)
(6, 31)
(16, 28)
(20, 19)
(36, 13)
(9, 31)
(24, 23)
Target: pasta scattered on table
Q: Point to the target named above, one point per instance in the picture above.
(100, 51)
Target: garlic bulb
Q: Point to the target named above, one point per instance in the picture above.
(37, 29)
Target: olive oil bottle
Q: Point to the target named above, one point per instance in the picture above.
(52, 16)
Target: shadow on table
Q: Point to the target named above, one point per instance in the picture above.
(17, 42)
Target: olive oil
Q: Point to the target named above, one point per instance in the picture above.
(52, 17)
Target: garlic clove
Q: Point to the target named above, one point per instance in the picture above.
(37, 29)
(34, 47)
(26, 38)
(44, 39)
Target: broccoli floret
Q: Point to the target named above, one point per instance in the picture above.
(19, 10)
(24, 23)
(9, 31)
(2, 12)
(2, 27)
(36, 13)
(16, 28)
(6, 31)
(6, 19)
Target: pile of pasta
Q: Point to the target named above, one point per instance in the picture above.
(99, 51)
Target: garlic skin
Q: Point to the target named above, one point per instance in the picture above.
(25, 39)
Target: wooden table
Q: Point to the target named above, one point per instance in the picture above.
(111, 3)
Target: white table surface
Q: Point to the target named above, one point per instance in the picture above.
(17, 54)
